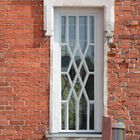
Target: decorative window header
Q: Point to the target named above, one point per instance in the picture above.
(49, 5)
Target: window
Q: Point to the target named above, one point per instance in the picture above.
(78, 69)
(56, 25)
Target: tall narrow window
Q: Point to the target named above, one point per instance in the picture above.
(77, 72)
(77, 57)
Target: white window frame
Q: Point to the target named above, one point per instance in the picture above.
(50, 5)
(97, 13)
(56, 64)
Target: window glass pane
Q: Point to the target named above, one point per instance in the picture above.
(83, 32)
(90, 87)
(77, 77)
(64, 115)
(65, 87)
(90, 58)
(83, 113)
(91, 29)
(77, 87)
(72, 73)
(72, 113)
(72, 32)
(65, 58)
(77, 58)
(91, 116)
(83, 73)
(63, 29)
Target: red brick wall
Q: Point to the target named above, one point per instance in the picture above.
(124, 67)
(24, 70)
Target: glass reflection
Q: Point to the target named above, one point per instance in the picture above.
(63, 29)
(65, 86)
(72, 113)
(83, 113)
(83, 32)
(91, 116)
(65, 58)
(90, 58)
(72, 32)
(90, 87)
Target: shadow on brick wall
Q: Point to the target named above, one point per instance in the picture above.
(27, 16)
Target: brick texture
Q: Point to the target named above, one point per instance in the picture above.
(124, 67)
(24, 71)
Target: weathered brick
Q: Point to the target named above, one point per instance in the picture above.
(24, 70)
(127, 29)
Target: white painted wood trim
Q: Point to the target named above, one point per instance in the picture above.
(73, 135)
(55, 100)
(99, 68)
(55, 89)
(108, 6)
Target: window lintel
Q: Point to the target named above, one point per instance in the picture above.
(108, 6)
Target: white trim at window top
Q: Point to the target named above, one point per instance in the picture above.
(50, 4)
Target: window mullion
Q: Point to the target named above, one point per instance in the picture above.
(77, 44)
(88, 115)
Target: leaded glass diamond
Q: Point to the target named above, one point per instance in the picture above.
(83, 73)
(72, 73)
(77, 73)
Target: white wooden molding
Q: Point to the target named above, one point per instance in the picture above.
(49, 6)
(107, 5)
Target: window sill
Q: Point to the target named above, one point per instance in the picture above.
(73, 135)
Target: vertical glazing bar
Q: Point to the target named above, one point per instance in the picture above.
(88, 112)
(67, 41)
(95, 75)
(77, 45)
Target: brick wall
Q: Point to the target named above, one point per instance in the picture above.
(24, 70)
(124, 67)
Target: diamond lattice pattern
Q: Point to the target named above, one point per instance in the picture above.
(77, 72)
